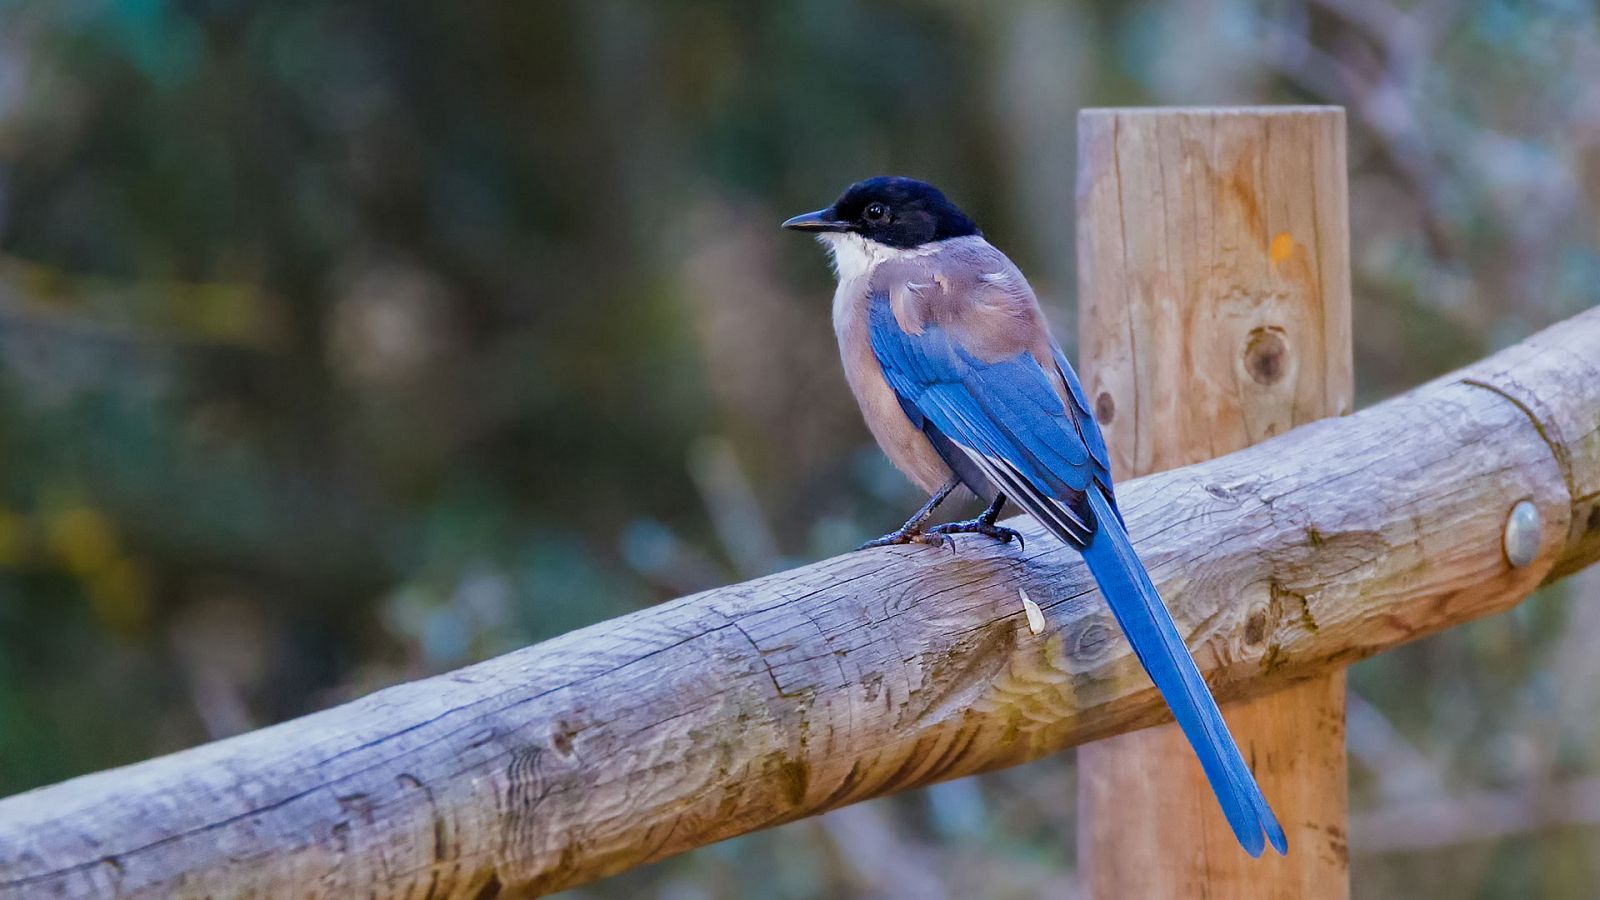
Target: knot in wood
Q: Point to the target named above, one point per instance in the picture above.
(1255, 628)
(1105, 408)
(1266, 355)
(1093, 640)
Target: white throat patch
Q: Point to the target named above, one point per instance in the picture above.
(854, 256)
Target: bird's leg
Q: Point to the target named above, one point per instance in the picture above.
(911, 532)
(984, 525)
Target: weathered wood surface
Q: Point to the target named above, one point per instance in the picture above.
(1214, 311)
(857, 676)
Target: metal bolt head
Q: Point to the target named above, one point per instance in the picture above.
(1523, 529)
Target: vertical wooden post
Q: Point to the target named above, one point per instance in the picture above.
(1214, 311)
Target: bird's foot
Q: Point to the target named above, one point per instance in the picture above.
(982, 525)
(906, 535)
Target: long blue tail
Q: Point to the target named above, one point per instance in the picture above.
(1155, 639)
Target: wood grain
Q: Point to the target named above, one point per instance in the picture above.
(855, 677)
(1214, 299)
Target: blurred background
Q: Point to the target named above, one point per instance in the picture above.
(342, 343)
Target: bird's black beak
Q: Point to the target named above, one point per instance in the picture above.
(821, 220)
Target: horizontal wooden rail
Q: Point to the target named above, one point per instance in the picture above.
(859, 676)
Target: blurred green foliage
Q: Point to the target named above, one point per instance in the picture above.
(341, 343)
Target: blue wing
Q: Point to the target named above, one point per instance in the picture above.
(1002, 418)
(1005, 419)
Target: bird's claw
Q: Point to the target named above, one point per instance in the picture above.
(932, 538)
(980, 526)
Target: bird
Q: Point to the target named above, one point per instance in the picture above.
(951, 360)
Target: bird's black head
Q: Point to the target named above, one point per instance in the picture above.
(899, 212)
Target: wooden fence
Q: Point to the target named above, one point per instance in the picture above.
(864, 675)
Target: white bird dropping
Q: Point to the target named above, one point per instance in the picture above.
(1035, 614)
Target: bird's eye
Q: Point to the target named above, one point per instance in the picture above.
(876, 212)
